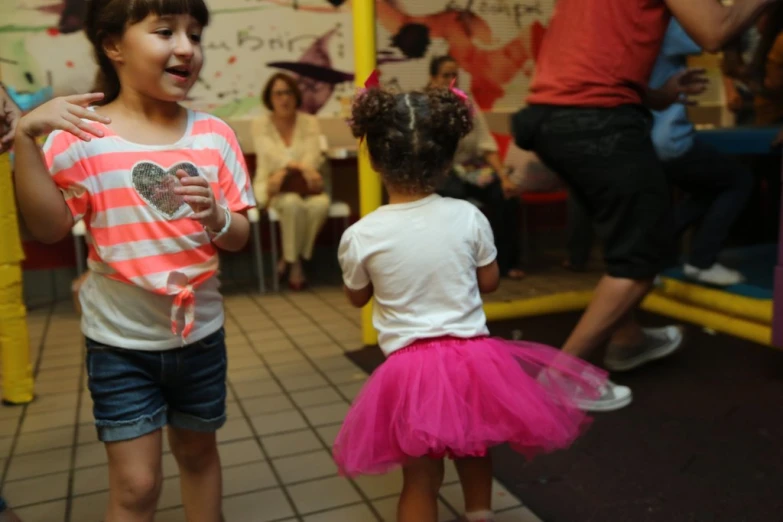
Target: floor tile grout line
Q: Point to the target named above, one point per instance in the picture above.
(102, 465)
(324, 444)
(306, 356)
(20, 420)
(75, 446)
(347, 316)
(256, 435)
(309, 514)
(303, 311)
(270, 488)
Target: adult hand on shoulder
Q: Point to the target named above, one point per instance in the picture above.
(197, 193)
(10, 114)
(66, 113)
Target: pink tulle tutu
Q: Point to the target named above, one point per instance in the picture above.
(459, 397)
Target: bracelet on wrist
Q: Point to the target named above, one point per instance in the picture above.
(213, 235)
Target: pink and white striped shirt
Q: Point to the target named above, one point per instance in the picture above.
(139, 231)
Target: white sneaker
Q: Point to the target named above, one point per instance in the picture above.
(657, 344)
(717, 275)
(613, 397)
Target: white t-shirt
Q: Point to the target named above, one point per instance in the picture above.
(421, 258)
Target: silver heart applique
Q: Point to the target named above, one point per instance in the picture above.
(156, 185)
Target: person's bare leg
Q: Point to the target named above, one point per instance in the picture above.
(200, 474)
(475, 476)
(422, 479)
(628, 331)
(613, 301)
(296, 276)
(282, 267)
(135, 478)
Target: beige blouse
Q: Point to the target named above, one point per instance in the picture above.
(477, 143)
(272, 154)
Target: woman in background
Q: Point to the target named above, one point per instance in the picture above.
(479, 174)
(290, 174)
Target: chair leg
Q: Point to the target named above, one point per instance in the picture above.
(258, 256)
(273, 240)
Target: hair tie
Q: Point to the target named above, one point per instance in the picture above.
(372, 82)
(461, 95)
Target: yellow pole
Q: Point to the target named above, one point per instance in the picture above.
(369, 181)
(14, 340)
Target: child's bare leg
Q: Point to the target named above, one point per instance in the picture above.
(200, 473)
(475, 475)
(135, 478)
(422, 479)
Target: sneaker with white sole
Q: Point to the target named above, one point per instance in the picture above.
(657, 344)
(581, 392)
(717, 275)
(613, 397)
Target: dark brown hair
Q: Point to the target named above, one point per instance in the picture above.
(266, 94)
(439, 61)
(106, 18)
(412, 137)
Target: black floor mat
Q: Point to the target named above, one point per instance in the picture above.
(702, 442)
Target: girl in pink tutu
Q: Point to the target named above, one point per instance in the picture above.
(447, 389)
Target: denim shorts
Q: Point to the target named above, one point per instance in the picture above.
(136, 392)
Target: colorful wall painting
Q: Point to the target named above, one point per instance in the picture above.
(41, 45)
(495, 43)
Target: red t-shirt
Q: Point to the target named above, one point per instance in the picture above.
(599, 53)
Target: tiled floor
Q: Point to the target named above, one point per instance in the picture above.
(289, 387)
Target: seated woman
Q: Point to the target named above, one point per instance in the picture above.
(479, 174)
(291, 173)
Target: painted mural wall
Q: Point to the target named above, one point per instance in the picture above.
(494, 41)
(41, 44)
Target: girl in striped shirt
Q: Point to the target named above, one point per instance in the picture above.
(160, 189)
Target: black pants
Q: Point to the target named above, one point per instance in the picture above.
(716, 187)
(502, 213)
(580, 234)
(606, 157)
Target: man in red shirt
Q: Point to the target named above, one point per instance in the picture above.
(587, 118)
